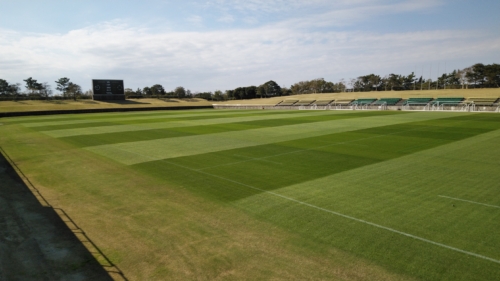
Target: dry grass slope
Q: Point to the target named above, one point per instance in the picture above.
(29, 105)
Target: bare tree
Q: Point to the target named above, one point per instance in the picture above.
(463, 75)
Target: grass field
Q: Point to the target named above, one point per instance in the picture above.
(265, 195)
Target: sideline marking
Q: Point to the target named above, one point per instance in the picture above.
(342, 215)
(473, 202)
(330, 211)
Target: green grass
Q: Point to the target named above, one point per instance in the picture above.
(232, 195)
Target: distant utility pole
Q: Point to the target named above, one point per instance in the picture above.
(446, 78)
(430, 75)
(415, 83)
(437, 80)
(422, 79)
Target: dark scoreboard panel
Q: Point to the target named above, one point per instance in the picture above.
(107, 89)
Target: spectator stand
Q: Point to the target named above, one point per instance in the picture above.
(481, 104)
(323, 104)
(362, 103)
(288, 103)
(382, 103)
(305, 104)
(417, 104)
(442, 104)
(342, 104)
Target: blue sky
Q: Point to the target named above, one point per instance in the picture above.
(222, 44)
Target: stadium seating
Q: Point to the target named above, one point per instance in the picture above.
(304, 102)
(323, 102)
(343, 102)
(288, 102)
(387, 101)
(448, 101)
(481, 101)
(364, 101)
(419, 101)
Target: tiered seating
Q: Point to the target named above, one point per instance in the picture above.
(448, 101)
(418, 101)
(304, 102)
(387, 101)
(288, 102)
(364, 101)
(343, 102)
(481, 101)
(323, 102)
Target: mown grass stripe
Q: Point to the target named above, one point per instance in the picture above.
(174, 124)
(320, 192)
(143, 151)
(135, 118)
(153, 134)
(81, 116)
(341, 215)
(401, 192)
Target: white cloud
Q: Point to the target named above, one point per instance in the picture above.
(287, 51)
(321, 12)
(343, 14)
(224, 59)
(276, 6)
(195, 19)
(226, 19)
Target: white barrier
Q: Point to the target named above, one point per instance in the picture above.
(407, 107)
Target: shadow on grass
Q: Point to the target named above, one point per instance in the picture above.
(41, 242)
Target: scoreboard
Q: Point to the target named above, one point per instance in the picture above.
(108, 89)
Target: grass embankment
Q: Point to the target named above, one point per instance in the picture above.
(23, 106)
(33, 105)
(290, 195)
(466, 93)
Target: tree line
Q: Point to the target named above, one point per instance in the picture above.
(37, 90)
(476, 76)
(268, 89)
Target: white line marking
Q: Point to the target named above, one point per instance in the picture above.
(257, 159)
(473, 202)
(336, 213)
(344, 216)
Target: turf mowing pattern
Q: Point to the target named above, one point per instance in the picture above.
(370, 195)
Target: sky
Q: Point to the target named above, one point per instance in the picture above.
(223, 44)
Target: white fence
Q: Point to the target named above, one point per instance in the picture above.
(253, 106)
(407, 107)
